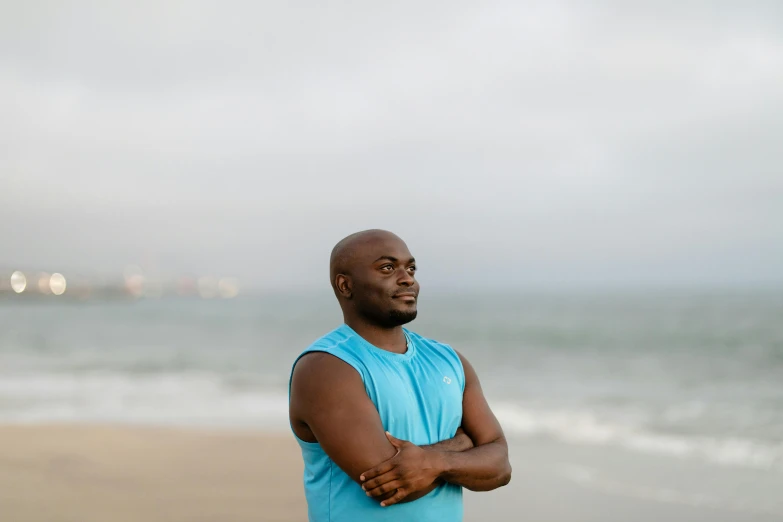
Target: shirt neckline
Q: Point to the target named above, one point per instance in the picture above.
(409, 353)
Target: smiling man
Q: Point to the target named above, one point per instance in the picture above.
(392, 425)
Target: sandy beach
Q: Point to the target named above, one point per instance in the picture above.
(132, 474)
(106, 473)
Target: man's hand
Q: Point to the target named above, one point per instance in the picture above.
(410, 470)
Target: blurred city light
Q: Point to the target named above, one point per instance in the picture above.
(134, 280)
(228, 287)
(132, 283)
(18, 282)
(57, 284)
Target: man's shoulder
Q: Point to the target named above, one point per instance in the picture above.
(319, 377)
(334, 351)
(325, 360)
(323, 366)
(336, 338)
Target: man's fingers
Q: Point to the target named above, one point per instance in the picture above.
(401, 494)
(384, 488)
(380, 469)
(390, 494)
(380, 479)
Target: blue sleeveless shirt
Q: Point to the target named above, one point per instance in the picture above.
(418, 395)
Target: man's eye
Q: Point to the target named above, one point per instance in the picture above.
(387, 267)
(412, 268)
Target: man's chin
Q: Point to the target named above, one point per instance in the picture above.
(401, 317)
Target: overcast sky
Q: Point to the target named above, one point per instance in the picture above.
(508, 143)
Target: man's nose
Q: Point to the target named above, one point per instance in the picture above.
(406, 279)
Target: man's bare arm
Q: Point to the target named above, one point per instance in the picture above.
(486, 466)
(482, 468)
(459, 442)
(329, 405)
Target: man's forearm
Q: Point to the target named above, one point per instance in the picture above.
(459, 442)
(482, 468)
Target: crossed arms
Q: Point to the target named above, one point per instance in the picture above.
(329, 405)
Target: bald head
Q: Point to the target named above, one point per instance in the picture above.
(373, 277)
(347, 251)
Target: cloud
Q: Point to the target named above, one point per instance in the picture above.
(544, 142)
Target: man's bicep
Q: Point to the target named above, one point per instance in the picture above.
(478, 421)
(333, 403)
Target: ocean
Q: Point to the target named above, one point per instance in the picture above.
(682, 375)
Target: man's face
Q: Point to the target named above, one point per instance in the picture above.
(385, 290)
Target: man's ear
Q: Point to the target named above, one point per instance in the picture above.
(344, 286)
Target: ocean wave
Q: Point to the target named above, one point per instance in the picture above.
(583, 427)
(180, 399)
(202, 398)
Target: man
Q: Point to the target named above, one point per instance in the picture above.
(391, 425)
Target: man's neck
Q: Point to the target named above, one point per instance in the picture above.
(389, 339)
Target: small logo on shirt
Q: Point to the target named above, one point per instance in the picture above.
(446, 380)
